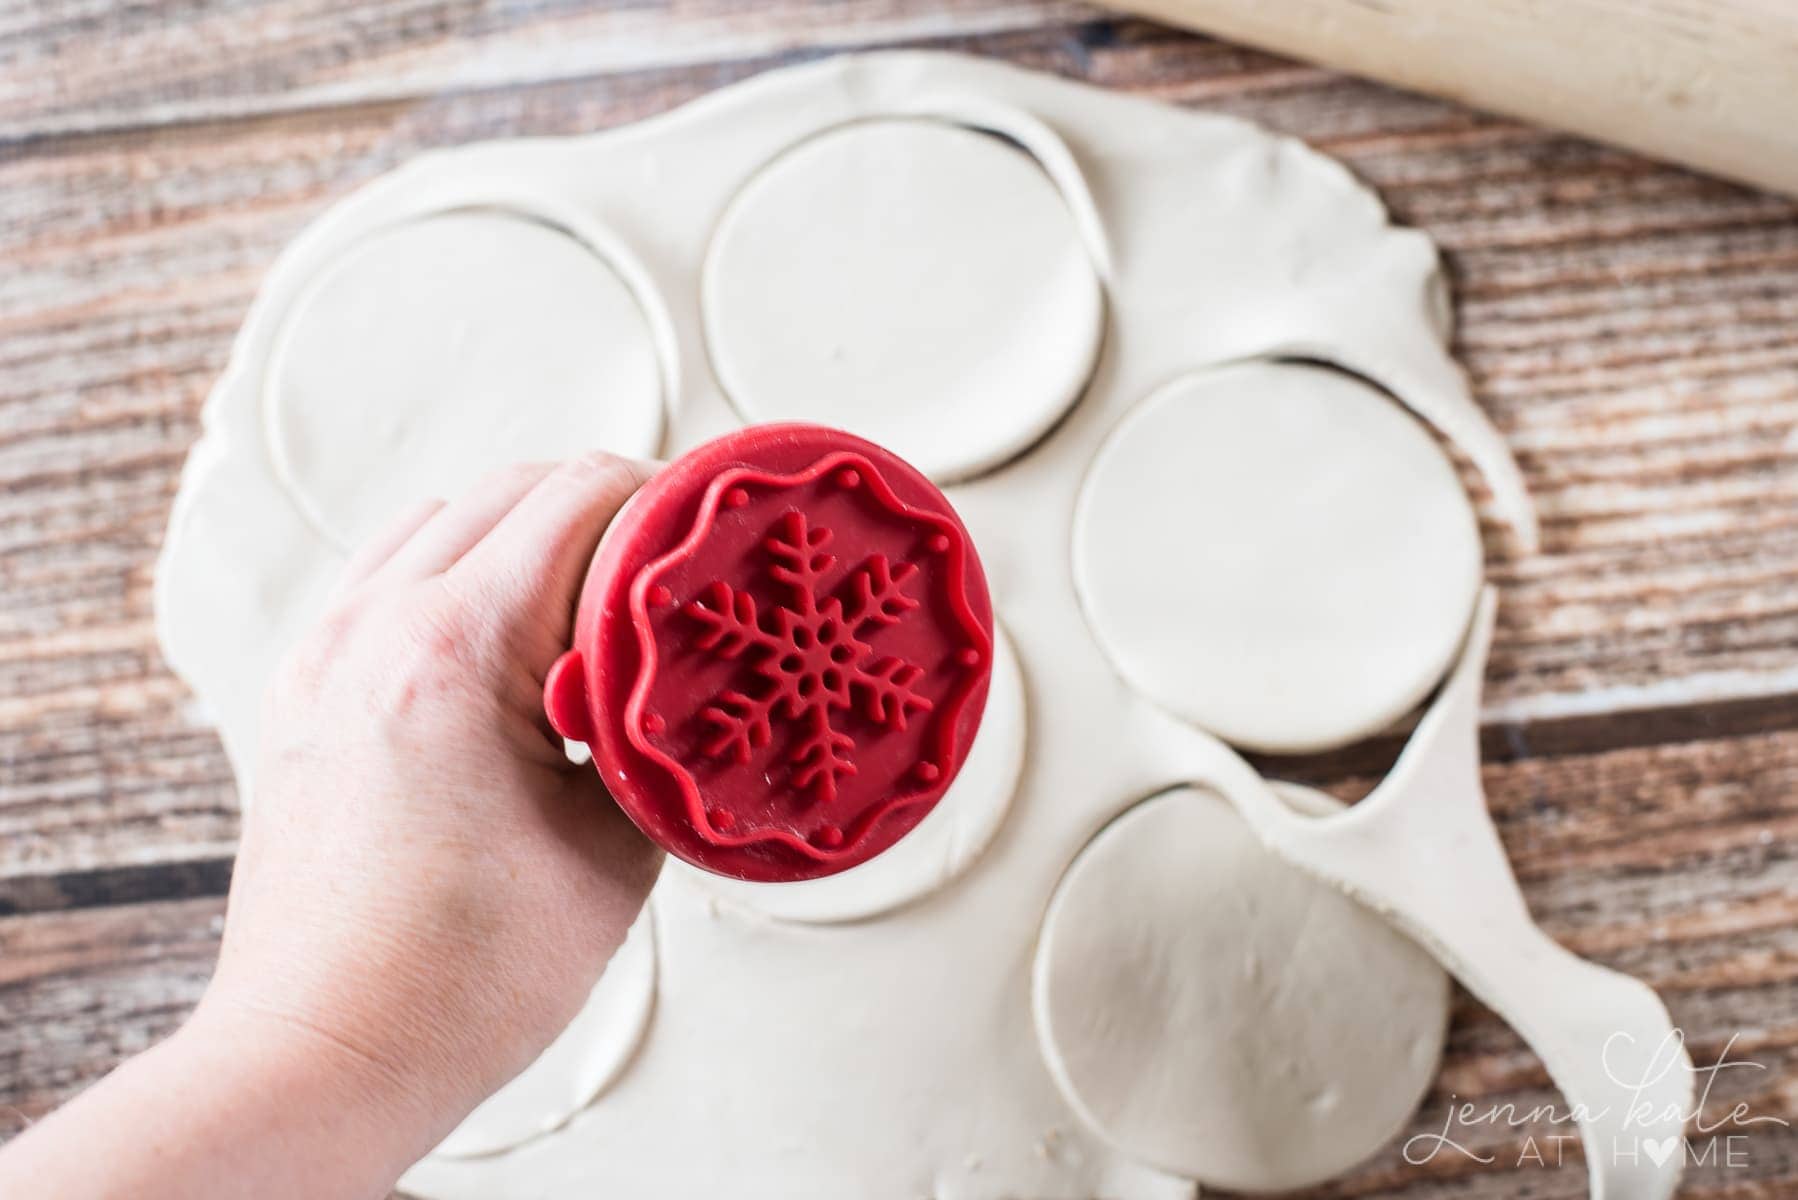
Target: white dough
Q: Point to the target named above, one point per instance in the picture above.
(893, 1057)
(441, 348)
(1209, 1009)
(941, 847)
(919, 283)
(586, 1057)
(1278, 553)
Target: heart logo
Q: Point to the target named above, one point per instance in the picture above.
(1662, 1150)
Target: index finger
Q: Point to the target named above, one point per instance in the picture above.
(536, 556)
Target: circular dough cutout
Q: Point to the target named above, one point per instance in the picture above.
(581, 1063)
(919, 283)
(1277, 553)
(1213, 1012)
(944, 844)
(436, 350)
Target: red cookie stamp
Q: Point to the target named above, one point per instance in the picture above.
(781, 655)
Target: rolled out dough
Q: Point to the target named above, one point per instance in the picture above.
(913, 281)
(438, 347)
(1278, 553)
(837, 242)
(1209, 1009)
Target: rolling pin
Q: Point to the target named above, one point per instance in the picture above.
(1711, 84)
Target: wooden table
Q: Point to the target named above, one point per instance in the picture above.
(1632, 328)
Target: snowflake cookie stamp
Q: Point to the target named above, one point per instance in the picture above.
(813, 658)
(782, 653)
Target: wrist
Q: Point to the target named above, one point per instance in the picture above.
(314, 1094)
(233, 1104)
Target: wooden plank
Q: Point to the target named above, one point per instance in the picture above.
(108, 887)
(1674, 861)
(81, 793)
(71, 65)
(81, 992)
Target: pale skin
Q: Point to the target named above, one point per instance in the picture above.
(426, 889)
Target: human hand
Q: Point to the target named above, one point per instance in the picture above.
(426, 888)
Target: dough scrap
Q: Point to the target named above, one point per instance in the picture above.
(918, 283)
(1278, 553)
(1212, 1011)
(439, 348)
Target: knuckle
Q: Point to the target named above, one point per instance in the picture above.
(305, 669)
(438, 654)
(395, 699)
(512, 475)
(602, 471)
(514, 608)
(296, 674)
(461, 615)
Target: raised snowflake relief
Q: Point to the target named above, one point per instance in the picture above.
(810, 658)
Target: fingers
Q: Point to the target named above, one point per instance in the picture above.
(373, 553)
(535, 558)
(464, 521)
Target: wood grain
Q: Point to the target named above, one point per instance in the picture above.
(71, 65)
(1633, 330)
(81, 991)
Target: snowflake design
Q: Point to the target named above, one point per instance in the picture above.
(812, 657)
